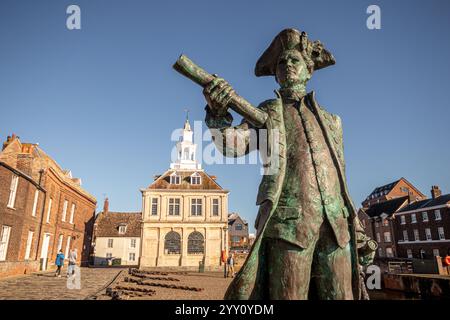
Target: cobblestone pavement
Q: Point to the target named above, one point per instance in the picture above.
(213, 284)
(48, 287)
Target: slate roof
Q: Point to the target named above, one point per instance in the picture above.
(108, 224)
(427, 203)
(387, 187)
(389, 207)
(232, 217)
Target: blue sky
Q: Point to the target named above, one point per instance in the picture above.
(104, 100)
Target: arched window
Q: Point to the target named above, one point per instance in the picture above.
(196, 243)
(172, 243)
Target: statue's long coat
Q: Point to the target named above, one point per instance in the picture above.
(250, 280)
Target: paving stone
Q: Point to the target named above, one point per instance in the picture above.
(48, 287)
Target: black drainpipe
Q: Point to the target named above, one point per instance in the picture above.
(42, 215)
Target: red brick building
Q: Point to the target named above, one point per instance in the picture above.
(407, 226)
(21, 211)
(423, 227)
(396, 189)
(379, 222)
(66, 210)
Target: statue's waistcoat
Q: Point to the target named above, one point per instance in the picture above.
(311, 190)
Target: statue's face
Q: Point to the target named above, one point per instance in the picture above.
(291, 69)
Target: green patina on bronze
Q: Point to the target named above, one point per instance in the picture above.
(310, 243)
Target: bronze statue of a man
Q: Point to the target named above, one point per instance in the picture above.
(308, 234)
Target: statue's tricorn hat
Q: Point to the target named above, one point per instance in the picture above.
(315, 55)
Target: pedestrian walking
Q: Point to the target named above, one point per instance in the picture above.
(72, 262)
(230, 264)
(59, 263)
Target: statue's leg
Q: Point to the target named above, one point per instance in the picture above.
(332, 267)
(289, 269)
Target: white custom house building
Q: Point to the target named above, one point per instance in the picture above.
(184, 214)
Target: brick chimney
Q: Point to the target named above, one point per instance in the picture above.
(411, 197)
(9, 139)
(106, 206)
(435, 192)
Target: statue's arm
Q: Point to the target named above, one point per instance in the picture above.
(231, 141)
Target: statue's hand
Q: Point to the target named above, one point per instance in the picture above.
(218, 94)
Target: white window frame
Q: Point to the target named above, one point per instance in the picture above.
(197, 207)
(60, 242)
(64, 213)
(108, 255)
(416, 235)
(131, 255)
(29, 244)
(428, 235)
(389, 252)
(413, 218)
(402, 219)
(13, 191)
(154, 207)
(49, 210)
(437, 215)
(110, 243)
(215, 206)
(387, 236)
(409, 253)
(174, 207)
(4, 242)
(35, 202)
(405, 235)
(196, 178)
(133, 243)
(122, 229)
(425, 216)
(66, 253)
(72, 213)
(175, 178)
(441, 233)
(378, 237)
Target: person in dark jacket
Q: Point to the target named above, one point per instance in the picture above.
(59, 263)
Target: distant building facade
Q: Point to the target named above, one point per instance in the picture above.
(237, 232)
(379, 222)
(21, 211)
(184, 214)
(396, 189)
(409, 226)
(117, 237)
(423, 227)
(57, 204)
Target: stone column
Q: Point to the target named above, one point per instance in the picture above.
(206, 254)
(184, 241)
(183, 247)
(160, 247)
(204, 207)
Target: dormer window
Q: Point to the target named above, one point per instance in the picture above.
(122, 229)
(175, 179)
(196, 178)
